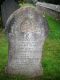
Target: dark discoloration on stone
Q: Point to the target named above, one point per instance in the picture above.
(7, 8)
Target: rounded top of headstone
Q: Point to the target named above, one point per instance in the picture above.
(28, 19)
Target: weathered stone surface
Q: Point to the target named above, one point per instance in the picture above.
(50, 9)
(27, 31)
(49, 6)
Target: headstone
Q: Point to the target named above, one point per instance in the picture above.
(27, 31)
(7, 8)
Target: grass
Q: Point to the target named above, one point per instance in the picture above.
(51, 54)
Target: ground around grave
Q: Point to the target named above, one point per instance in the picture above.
(51, 54)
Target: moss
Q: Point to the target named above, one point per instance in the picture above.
(26, 5)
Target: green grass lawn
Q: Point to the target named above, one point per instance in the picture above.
(51, 54)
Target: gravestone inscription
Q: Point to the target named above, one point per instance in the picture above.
(27, 31)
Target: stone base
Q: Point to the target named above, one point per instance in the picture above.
(31, 74)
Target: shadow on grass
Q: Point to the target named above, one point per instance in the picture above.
(5, 76)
